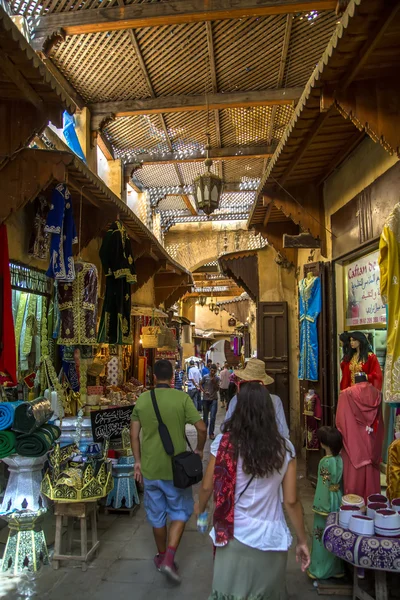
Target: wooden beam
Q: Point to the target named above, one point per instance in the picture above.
(168, 13)
(186, 103)
(302, 240)
(303, 205)
(75, 97)
(189, 205)
(391, 9)
(267, 202)
(285, 49)
(305, 144)
(105, 146)
(236, 153)
(11, 70)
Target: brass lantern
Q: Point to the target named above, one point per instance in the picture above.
(207, 187)
(202, 300)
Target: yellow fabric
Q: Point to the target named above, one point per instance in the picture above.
(393, 471)
(389, 263)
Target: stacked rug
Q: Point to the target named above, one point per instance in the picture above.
(24, 429)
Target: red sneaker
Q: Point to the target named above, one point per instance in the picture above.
(171, 573)
(158, 561)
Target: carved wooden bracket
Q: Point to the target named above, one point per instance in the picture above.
(303, 240)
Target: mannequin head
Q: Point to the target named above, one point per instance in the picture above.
(359, 344)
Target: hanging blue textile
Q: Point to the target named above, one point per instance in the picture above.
(60, 223)
(70, 135)
(309, 309)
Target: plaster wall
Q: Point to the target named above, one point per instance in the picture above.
(145, 296)
(277, 285)
(110, 171)
(205, 319)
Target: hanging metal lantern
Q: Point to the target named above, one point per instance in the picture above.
(216, 310)
(202, 300)
(211, 306)
(208, 187)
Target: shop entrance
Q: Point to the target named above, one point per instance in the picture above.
(273, 348)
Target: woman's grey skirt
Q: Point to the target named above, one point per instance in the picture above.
(244, 573)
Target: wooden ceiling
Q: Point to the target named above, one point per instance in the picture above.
(155, 74)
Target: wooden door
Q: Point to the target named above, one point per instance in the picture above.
(273, 348)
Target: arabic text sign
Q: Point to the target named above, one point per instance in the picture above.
(364, 305)
(110, 422)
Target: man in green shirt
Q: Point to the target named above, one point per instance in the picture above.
(153, 464)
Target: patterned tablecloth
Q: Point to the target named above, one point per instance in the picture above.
(369, 552)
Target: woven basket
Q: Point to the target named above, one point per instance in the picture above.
(152, 337)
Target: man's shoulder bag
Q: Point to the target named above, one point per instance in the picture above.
(187, 467)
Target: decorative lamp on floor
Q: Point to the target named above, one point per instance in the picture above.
(208, 187)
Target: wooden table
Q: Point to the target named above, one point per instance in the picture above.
(72, 511)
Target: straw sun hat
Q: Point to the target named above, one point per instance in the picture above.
(254, 370)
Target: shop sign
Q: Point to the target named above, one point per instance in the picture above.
(109, 423)
(363, 302)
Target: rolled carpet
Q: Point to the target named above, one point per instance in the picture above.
(7, 413)
(29, 416)
(37, 443)
(7, 443)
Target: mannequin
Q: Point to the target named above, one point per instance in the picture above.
(359, 420)
(359, 358)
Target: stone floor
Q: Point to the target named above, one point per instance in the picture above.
(124, 568)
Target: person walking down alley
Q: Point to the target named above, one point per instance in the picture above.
(179, 377)
(209, 385)
(249, 462)
(224, 385)
(194, 377)
(255, 371)
(162, 499)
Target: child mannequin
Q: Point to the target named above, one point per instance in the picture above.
(327, 499)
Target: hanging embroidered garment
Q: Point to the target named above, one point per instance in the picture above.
(309, 309)
(40, 240)
(119, 268)
(389, 264)
(8, 365)
(77, 303)
(60, 223)
(313, 416)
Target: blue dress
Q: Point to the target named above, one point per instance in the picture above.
(60, 223)
(309, 309)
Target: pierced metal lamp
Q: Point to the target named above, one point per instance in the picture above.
(208, 187)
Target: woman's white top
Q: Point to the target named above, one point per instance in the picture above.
(259, 521)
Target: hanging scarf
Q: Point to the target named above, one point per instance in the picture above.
(224, 491)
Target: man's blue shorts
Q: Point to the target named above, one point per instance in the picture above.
(162, 499)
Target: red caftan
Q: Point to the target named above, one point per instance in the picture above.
(8, 360)
(359, 420)
(372, 368)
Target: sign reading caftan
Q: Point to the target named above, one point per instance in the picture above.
(77, 303)
(389, 264)
(309, 309)
(60, 223)
(119, 268)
